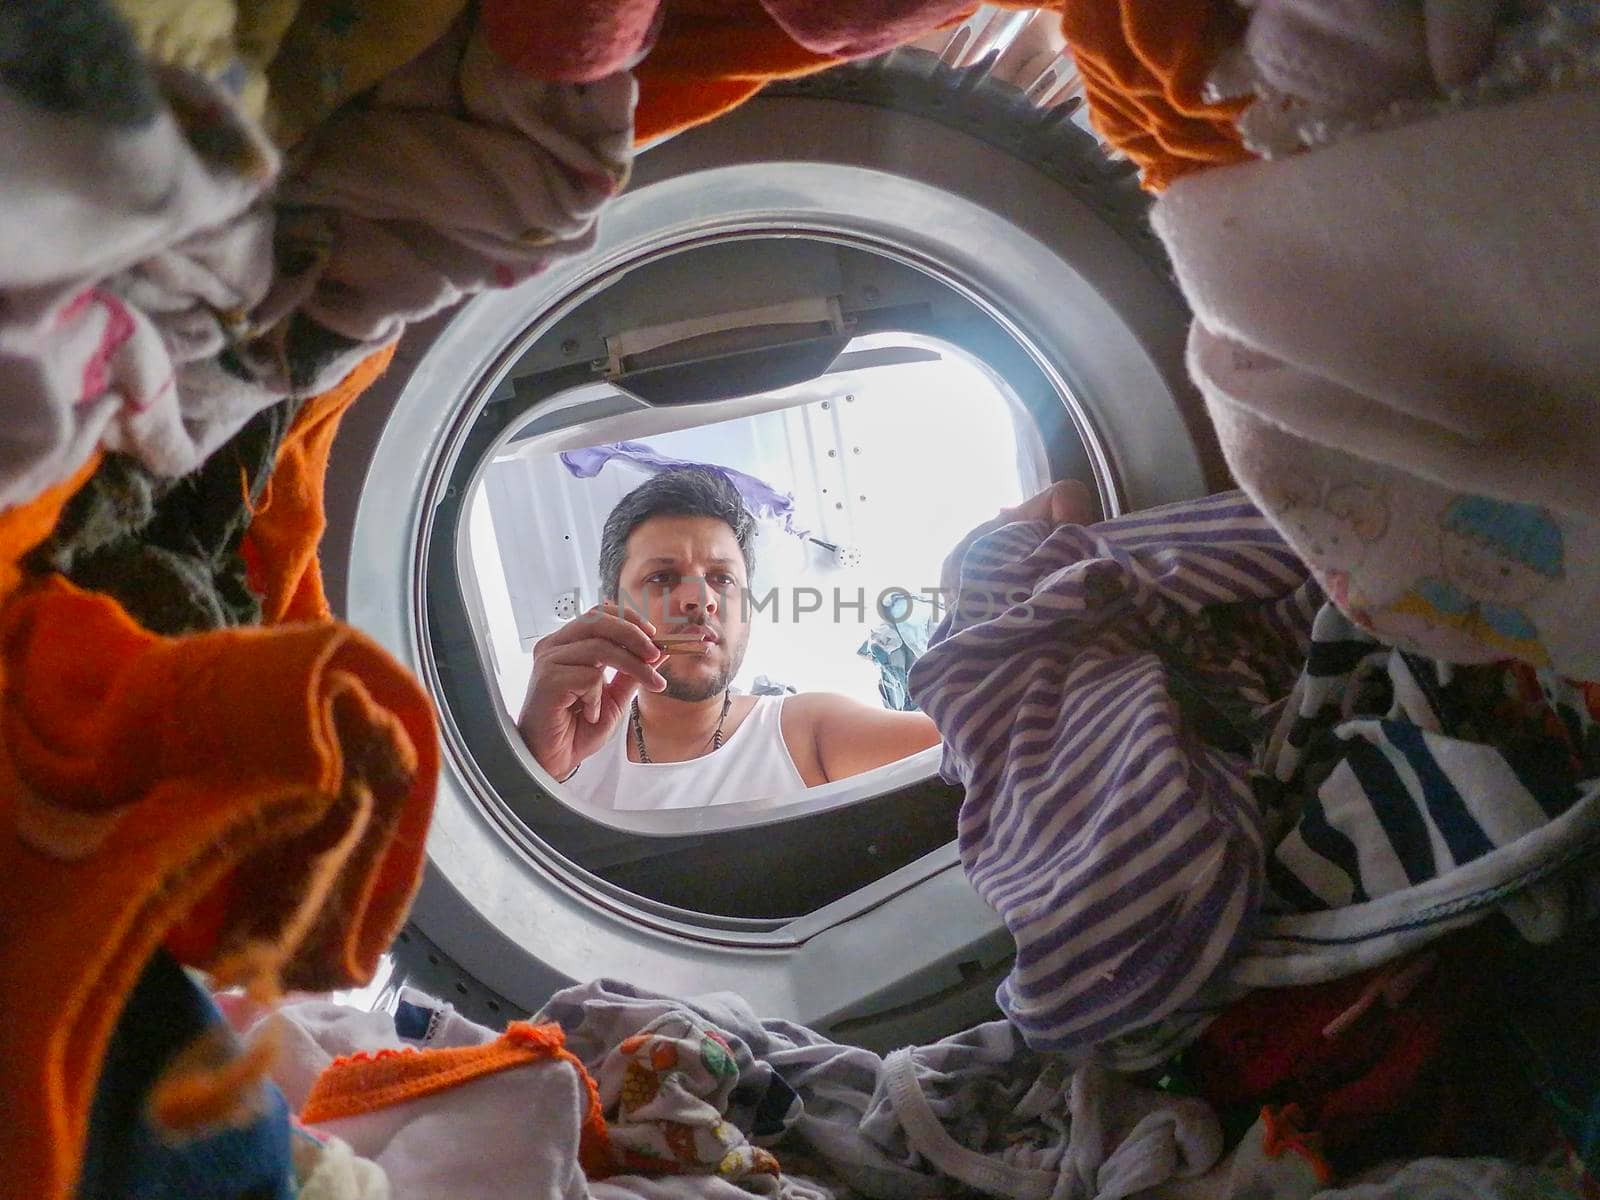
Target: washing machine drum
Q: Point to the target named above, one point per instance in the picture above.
(825, 233)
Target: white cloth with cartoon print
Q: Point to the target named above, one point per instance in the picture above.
(1458, 576)
(1397, 340)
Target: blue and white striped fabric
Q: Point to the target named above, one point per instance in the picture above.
(1407, 786)
(1422, 799)
(1099, 690)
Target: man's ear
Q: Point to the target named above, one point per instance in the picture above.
(1363, 506)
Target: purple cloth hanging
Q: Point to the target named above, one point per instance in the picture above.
(761, 498)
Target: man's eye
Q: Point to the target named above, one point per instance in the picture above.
(723, 581)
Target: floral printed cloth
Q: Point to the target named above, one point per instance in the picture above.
(665, 1092)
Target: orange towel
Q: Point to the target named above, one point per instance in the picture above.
(703, 45)
(573, 41)
(1144, 65)
(255, 799)
(711, 56)
(280, 547)
(708, 55)
(364, 1083)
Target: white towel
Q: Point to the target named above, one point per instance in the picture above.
(1397, 338)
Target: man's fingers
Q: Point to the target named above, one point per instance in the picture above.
(1071, 504)
(620, 690)
(589, 657)
(631, 615)
(629, 635)
(1065, 502)
(569, 687)
(634, 631)
(1034, 508)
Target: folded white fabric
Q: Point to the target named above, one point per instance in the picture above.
(458, 174)
(325, 1168)
(1424, 297)
(134, 170)
(160, 285)
(1321, 70)
(514, 1132)
(1396, 338)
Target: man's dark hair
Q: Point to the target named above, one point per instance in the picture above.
(682, 492)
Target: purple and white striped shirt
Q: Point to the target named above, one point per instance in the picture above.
(1078, 683)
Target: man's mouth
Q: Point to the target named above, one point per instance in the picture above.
(688, 642)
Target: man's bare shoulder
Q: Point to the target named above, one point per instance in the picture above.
(829, 716)
(840, 716)
(849, 737)
(812, 707)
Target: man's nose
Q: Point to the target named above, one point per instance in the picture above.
(693, 598)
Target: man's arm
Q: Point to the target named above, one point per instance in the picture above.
(851, 737)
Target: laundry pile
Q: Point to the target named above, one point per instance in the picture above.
(216, 220)
(1416, 419)
(1238, 839)
(615, 1092)
(1280, 790)
(199, 236)
(1288, 796)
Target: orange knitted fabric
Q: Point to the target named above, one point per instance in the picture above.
(364, 1083)
(280, 547)
(1144, 65)
(256, 799)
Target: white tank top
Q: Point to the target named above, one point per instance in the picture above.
(753, 764)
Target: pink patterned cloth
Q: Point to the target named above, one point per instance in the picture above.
(161, 282)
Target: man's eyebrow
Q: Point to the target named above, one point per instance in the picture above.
(670, 560)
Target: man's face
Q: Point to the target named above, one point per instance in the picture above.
(687, 574)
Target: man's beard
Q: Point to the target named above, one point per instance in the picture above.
(695, 690)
